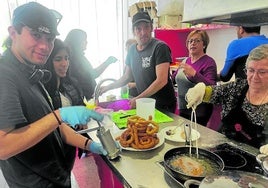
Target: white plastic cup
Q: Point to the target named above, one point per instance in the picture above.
(145, 107)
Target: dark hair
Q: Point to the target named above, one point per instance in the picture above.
(252, 29)
(8, 41)
(74, 40)
(51, 85)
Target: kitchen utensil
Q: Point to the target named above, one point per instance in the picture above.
(230, 179)
(108, 142)
(145, 107)
(125, 116)
(184, 151)
(179, 135)
(87, 130)
(188, 134)
(172, 131)
(262, 159)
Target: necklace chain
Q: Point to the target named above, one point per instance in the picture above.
(262, 100)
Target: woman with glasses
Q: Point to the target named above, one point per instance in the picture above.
(244, 101)
(198, 67)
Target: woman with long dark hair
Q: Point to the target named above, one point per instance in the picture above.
(80, 67)
(64, 90)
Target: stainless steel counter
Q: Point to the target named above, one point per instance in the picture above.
(140, 169)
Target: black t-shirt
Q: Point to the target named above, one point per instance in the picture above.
(143, 65)
(23, 102)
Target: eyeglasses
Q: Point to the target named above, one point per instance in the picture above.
(57, 15)
(260, 72)
(194, 41)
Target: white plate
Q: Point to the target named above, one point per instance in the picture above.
(180, 58)
(161, 142)
(179, 134)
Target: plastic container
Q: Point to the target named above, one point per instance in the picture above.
(145, 107)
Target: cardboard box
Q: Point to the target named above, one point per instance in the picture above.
(146, 6)
(170, 22)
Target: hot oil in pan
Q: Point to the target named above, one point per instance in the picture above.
(251, 164)
(193, 166)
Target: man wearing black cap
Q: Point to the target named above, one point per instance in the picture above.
(148, 63)
(32, 135)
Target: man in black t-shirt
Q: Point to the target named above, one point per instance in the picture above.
(148, 64)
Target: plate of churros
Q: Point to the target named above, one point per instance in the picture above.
(140, 135)
(159, 143)
(177, 134)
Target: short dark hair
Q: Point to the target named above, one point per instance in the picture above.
(252, 29)
(8, 41)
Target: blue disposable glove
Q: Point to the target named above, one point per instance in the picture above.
(97, 148)
(75, 115)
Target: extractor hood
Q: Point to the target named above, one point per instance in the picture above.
(232, 12)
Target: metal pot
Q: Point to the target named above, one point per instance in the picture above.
(262, 159)
(182, 151)
(232, 178)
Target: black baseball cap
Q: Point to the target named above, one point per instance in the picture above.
(37, 17)
(141, 17)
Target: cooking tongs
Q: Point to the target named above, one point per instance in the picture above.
(188, 134)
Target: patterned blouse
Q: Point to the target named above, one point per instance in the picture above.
(227, 95)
